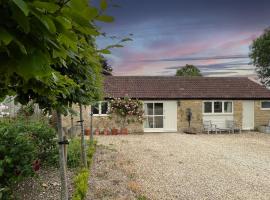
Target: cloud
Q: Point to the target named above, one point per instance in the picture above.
(226, 57)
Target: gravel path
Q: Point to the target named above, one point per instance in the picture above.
(180, 166)
(45, 186)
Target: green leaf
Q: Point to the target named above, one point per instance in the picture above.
(65, 22)
(105, 18)
(59, 54)
(5, 37)
(78, 4)
(103, 5)
(48, 23)
(105, 51)
(126, 39)
(20, 18)
(89, 13)
(46, 6)
(114, 46)
(23, 6)
(34, 65)
(21, 46)
(69, 40)
(87, 30)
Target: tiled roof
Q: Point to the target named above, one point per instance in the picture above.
(172, 87)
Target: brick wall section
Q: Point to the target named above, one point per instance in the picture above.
(261, 117)
(98, 121)
(237, 112)
(196, 109)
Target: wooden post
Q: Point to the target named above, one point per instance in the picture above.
(83, 152)
(62, 160)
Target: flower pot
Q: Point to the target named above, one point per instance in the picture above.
(97, 131)
(124, 131)
(36, 165)
(114, 131)
(106, 131)
(87, 131)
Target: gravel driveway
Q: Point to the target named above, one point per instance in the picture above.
(180, 166)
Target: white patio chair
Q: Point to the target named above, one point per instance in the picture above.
(209, 127)
(232, 126)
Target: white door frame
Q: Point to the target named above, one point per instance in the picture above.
(247, 115)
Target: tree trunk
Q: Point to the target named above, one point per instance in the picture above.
(62, 160)
(83, 152)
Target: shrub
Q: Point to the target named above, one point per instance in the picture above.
(126, 111)
(74, 153)
(90, 152)
(23, 146)
(81, 180)
(81, 184)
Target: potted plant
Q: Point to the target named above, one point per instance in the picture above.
(125, 111)
(97, 131)
(114, 131)
(87, 131)
(105, 123)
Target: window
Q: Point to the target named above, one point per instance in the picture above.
(265, 105)
(218, 107)
(100, 108)
(227, 106)
(207, 107)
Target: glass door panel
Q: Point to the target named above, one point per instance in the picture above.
(158, 108)
(154, 115)
(158, 121)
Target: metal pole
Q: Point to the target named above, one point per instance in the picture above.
(91, 125)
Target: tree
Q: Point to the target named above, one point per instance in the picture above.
(260, 56)
(106, 68)
(38, 41)
(188, 70)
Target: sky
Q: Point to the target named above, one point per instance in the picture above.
(214, 35)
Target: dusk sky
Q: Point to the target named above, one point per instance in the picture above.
(214, 35)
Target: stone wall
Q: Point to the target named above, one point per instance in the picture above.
(196, 109)
(100, 122)
(261, 117)
(237, 112)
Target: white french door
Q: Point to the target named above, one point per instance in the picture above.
(154, 114)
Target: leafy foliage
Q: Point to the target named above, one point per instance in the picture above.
(126, 110)
(260, 55)
(40, 40)
(106, 68)
(74, 154)
(81, 184)
(81, 180)
(21, 143)
(188, 70)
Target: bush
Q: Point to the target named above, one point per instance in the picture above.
(74, 153)
(81, 184)
(24, 145)
(90, 152)
(81, 180)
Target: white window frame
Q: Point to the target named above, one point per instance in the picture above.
(221, 113)
(99, 109)
(261, 104)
